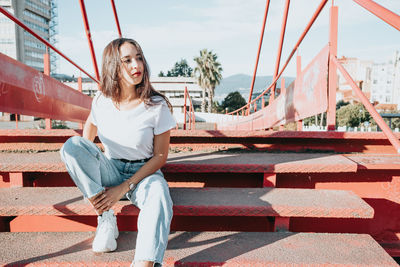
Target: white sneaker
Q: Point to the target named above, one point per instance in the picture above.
(106, 233)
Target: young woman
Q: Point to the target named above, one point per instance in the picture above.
(133, 122)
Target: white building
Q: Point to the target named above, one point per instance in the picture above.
(39, 16)
(174, 88)
(171, 87)
(360, 72)
(386, 82)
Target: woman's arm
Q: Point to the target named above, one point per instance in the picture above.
(89, 130)
(160, 152)
(112, 195)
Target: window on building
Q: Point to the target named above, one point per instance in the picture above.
(387, 99)
(37, 28)
(6, 41)
(37, 7)
(36, 17)
(36, 64)
(33, 44)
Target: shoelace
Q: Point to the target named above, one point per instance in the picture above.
(107, 221)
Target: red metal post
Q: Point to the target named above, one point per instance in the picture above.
(278, 58)
(190, 117)
(385, 14)
(378, 119)
(259, 50)
(89, 37)
(80, 84)
(22, 25)
(16, 121)
(46, 70)
(116, 18)
(332, 76)
(184, 110)
(298, 65)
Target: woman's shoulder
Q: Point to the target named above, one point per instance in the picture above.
(99, 100)
(158, 100)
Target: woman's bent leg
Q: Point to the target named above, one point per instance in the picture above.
(91, 171)
(88, 167)
(153, 199)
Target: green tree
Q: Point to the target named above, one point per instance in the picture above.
(208, 73)
(180, 69)
(340, 104)
(233, 101)
(352, 115)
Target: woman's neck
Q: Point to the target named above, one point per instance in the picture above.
(128, 93)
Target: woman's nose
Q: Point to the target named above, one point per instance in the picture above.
(134, 63)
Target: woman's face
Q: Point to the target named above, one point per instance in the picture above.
(132, 67)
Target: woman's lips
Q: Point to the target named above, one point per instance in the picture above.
(136, 74)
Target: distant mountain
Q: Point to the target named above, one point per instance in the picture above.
(242, 83)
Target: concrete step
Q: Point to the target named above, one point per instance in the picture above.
(199, 249)
(365, 142)
(35, 207)
(277, 202)
(24, 169)
(241, 162)
(240, 169)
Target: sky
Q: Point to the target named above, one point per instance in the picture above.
(178, 29)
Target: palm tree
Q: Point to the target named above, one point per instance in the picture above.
(208, 73)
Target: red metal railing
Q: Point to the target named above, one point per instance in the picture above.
(71, 106)
(26, 28)
(192, 117)
(259, 50)
(242, 110)
(364, 100)
(381, 12)
(116, 18)
(89, 37)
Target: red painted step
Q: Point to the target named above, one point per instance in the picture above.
(280, 202)
(200, 249)
(63, 209)
(245, 162)
(365, 142)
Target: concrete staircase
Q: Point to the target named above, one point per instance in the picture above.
(238, 201)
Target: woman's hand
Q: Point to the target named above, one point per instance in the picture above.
(109, 197)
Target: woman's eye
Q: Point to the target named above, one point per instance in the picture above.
(127, 61)
(140, 58)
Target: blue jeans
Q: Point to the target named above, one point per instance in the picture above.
(92, 171)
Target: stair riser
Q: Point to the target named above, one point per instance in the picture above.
(129, 223)
(57, 179)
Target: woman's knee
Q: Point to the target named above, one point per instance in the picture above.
(74, 145)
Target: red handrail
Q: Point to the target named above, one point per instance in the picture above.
(22, 25)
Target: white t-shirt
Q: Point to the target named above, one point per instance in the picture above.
(129, 134)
